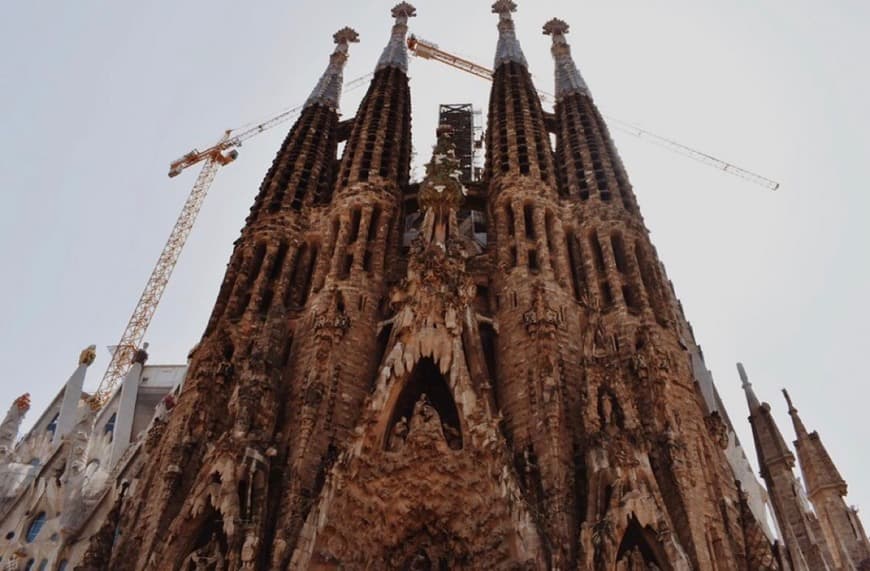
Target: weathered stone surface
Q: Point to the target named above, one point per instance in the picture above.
(372, 393)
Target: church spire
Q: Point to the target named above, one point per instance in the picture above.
(327, 92)
(751, 398)
(589, 166)
(379, 147)
(826, 488)
(568, 78)
(817, 467)
(518, 142)
(508, 48)
(807, 552)
(395, 54)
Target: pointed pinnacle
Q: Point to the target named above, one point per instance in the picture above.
(791, 407)
(751, 398)
(743, 376)
(556, 27)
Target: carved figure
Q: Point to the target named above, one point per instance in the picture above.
(398, 435)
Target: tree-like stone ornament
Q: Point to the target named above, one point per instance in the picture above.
(504, 7)
(22, 403)
(346, 36)
(404, 10)
(556, 27)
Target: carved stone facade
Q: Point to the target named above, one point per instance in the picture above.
(363, 401)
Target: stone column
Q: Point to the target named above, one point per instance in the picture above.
(72, 394)
(127, 406)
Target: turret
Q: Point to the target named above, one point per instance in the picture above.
(807, 552)
(827, 489)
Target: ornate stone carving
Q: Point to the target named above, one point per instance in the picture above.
(88, 355)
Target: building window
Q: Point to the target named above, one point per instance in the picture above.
(52, 426)
(29, 565)
(35, 527)
(109, 428)
(43, 565)
(62, 565)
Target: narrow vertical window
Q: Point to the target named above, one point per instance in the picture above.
(578, 277)
(619, 253)
(354, 226)
(35, 527)
(528, 219)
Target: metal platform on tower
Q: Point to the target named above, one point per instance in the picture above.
(461, 117)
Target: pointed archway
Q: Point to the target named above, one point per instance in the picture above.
(426, 384)
(640, 543)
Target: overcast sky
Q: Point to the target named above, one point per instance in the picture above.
(99, 97)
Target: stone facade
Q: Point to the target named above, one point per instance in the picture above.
(378, 389)
(59, 481)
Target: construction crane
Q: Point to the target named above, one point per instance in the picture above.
(428, 50)
(221, 153)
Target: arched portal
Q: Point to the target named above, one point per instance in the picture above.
(640, 544)
(426, 379)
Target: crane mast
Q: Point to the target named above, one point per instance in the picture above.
(125, 350)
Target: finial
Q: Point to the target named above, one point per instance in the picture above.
(327, 92)
(22, 403)
(403, 10)
(556, 27)
(88, 355)
(568, 78)
(791, 407)
(345, 36)
(508, 48)
(504, 7)
(747, 387)
(141, 355)
(396, 52)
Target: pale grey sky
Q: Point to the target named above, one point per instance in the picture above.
(99, 96)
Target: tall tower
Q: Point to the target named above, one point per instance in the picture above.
(358, 402)
(843, 531)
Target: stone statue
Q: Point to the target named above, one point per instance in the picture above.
(206, 558)
(398, 435)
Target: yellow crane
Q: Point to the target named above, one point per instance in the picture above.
(225, 151)
(221, 153)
